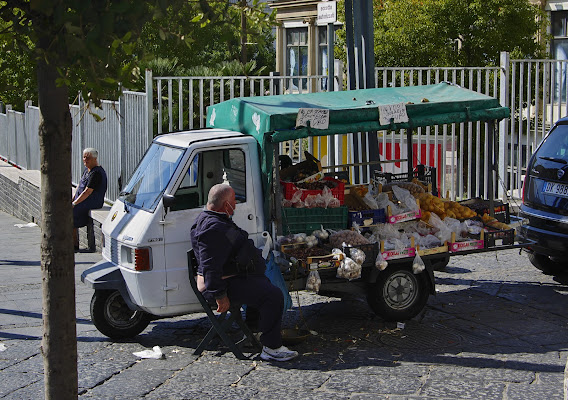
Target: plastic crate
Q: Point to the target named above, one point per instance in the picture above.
(289, 188)
(367, 217)
(495, 237)
(423, 173)
(307, 220)
(480, 206)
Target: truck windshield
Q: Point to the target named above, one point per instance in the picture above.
(152, 176)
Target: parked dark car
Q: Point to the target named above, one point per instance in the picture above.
(545, 201)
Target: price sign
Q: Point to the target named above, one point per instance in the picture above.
(397, 112)
(318, 117)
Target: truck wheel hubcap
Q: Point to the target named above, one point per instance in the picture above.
(118, 313)
(399, 290)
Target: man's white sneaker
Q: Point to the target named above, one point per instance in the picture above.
(280, 354)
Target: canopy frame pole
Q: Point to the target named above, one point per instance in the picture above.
(410, 154)
(277, 202)
(491, 166)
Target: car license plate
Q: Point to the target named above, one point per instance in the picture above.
(557, 189)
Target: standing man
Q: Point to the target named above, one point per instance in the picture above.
(231, 269)
(90, 192)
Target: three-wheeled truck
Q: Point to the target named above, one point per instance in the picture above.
(144, 274)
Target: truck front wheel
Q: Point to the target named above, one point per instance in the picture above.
(398, 294)
(113, 318)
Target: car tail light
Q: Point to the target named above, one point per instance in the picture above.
(142, 259)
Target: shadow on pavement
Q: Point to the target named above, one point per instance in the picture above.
(487, 325)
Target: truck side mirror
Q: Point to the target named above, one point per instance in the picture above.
(169, 200)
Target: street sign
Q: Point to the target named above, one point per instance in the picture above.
(327, 12)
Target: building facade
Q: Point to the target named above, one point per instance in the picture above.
(301, 43)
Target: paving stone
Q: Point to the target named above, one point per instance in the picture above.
(383, 383)
(134, 382)
(316, 394)
(523, 391)
(463, 389)
(34, 391)
(12, 381)
(184, 392)
(495, 330)
(486, 374)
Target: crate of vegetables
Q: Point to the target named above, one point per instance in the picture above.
(314, 188)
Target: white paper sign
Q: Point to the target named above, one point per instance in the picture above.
(318, 117)
(327, 12)
(394, 111)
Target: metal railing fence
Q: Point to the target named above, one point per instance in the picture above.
(535, 91)
(117, 130)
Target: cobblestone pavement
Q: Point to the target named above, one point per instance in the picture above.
(497, 329)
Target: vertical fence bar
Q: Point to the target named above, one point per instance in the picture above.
(511, 150)
(149, 106)
(504, 64)
(180, 104)
(170, 106)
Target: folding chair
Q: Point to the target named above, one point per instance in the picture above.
(220, 322)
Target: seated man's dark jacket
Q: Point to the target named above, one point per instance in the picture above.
(223, 249)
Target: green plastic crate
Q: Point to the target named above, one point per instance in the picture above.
(307, 220)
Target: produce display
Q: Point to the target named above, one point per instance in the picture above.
(443, 208)
(389, 221)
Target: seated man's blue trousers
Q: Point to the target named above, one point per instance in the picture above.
(258, 292)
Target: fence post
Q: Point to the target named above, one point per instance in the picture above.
(504, 91)
(27, 133)
(149, 107)
(9, 133)
(122, 137)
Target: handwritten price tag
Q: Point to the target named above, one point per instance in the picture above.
(318, 117)
(394, 111)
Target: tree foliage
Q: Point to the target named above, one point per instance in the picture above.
(454, 32)
(118, 49)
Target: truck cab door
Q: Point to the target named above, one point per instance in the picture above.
(206, 166)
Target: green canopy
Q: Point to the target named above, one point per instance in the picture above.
(272, 119)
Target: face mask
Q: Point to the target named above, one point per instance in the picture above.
(232, 211)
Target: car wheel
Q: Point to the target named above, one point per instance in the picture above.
(113, 318)
(398, 294)
(546, 264)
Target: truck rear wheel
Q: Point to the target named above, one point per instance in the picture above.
(398, 294)
(113, 318)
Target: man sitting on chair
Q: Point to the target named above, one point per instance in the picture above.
(231, 269)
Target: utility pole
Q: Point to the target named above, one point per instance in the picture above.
(361, 69)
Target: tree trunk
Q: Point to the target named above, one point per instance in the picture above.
(243, 32)
(59, 342)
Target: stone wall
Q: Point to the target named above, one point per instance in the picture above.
(20, 196)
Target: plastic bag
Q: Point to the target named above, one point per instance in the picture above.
(418, 265)
(297, 200)
(405, 198)
(357, 255)
(429, 241)
(382, 200)
(444, 233)
(347, 236)
(313, 282)
(473, 227)
(370, 201)
(380, 262)
(327, 198)
(349, 269)
(386, 231)
(274, 274)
